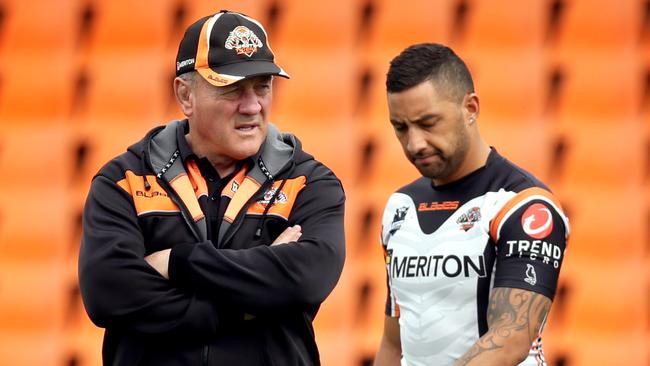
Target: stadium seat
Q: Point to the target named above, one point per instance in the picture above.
(197, 9)
(592, 348)
(511, 25)
(388, 168)
(127, 87)
(333, 141)
(526, 142)
(37, 89)
(511, 85)
(28, 348)
(302, 25)
(602, 152)
(587, 26)
(29, 147)
(322, 85)
(604, 220)
(21, 239)
(125, 27)
(398, 24)
(599, 87)
(46, 27)
(33, 296)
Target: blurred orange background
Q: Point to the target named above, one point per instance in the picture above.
(565, 93)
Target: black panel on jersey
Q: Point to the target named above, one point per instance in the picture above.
(526, 262)
(483, 288)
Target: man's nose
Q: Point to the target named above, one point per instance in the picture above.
(250, 102)
(415, 142)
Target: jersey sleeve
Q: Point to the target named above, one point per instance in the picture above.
(530, 233)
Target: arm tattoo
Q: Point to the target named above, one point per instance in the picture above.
(510, 311)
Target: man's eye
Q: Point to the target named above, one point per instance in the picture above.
(399, 128)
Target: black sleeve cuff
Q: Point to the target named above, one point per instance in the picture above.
(179, 268)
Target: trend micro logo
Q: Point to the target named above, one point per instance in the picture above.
(243, 41)
(537, 221)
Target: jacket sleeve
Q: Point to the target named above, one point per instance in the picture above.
(271, 278)
(119, 289)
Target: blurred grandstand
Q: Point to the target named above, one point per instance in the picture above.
(565, 93)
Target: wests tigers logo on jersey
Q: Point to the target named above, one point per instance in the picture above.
(469, 218)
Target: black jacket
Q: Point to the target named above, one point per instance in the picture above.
(236, 301)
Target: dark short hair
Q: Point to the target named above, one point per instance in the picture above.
(429, 61)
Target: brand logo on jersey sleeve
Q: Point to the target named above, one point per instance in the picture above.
(537, 221)
(531, 276)
(469, 218)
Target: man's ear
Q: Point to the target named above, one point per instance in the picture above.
(471, 107)
(183, 92)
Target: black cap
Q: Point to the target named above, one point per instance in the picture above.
(226, 47)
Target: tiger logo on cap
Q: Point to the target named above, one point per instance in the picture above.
(243, 41)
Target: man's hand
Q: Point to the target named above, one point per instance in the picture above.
(289, 234)
(160, 262)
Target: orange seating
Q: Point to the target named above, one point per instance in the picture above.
(33, 296)
(21, 239)
(511, 24)
(127, 87)
(607, 224)
(334, 142)
(621, 312)
(197, 9)
(32, 150)
(511, 85)
(525, 142)
(600, 86)
(598, 25)
(132, 26)
(398, 24)
(35, 88)
(322, 85)
(31, 348)
(600, 155)
(45, 26)
(305, 26)
(389, 169)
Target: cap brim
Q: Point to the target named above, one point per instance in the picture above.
(232, 73)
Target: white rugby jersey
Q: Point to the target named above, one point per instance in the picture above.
(447, 246)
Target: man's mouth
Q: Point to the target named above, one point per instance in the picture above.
(247, 127)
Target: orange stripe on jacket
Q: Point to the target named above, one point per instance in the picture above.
(520, 197)
(198, 182)
(284, 204)
(155, 199)
(183, 187)
(245, 191)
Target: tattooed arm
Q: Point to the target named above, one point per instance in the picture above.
(514, 319)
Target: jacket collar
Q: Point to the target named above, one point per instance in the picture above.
(164, 149)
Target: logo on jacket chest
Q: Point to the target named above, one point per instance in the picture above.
(270, 193)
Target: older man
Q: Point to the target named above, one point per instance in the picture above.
(213, 240)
